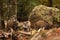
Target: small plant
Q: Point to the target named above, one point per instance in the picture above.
(43, 34)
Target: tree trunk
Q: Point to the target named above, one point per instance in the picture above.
(13, 8)
(2, 25)
(50, 3)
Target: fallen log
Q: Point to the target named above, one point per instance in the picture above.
(27, 33)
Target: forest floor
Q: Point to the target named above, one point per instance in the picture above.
(52, 34)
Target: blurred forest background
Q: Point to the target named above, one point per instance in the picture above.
(29, 19)
(22, 8)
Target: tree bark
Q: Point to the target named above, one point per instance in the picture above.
(2, 25)
(50, 3)
(13, 7)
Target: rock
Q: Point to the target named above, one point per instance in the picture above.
(45, 13)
